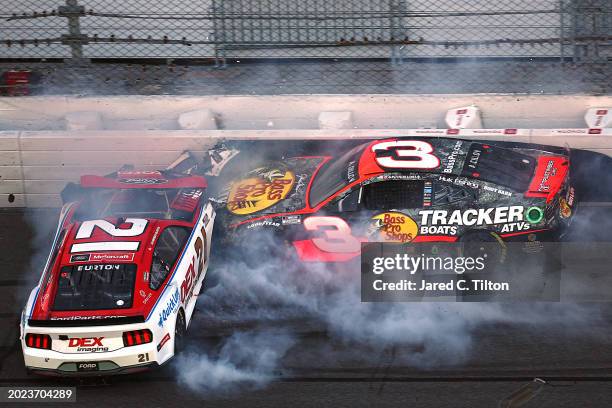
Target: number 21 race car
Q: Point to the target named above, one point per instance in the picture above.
(119, 288)
(403, 190)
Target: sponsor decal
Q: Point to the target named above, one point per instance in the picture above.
(571, 193)
(264, 223)
(196, 267)
(451, 160)
(91, 366)
(257, 193)
(393, 227)
(548, 172)
(187, 200)
(170, 307)
(155, 235)
(395, 176)
(352, 171)
(473, 158)
(534, 215)
(118, 257)
(496, 190)
(145, 296)
(564, 209)
(138, 173)
(459, 181)
(513, 218)
(87, 344)
(79, 258)
(427, 194)
(141, 180)
(85, 317)
(101, 267)
(548, 178)
(163, 341)
(291, 219)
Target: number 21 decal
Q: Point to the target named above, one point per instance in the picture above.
(86, 230)
(405, 154)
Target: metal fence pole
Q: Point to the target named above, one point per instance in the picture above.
(75, 39)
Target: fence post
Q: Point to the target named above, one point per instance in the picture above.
(75, 39)
(219, 33)
(398, 8)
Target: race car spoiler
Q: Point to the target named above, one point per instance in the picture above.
(125, 181)
(87, 322)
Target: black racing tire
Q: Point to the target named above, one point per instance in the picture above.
(180, 330)
(478, 242)
(481, 243)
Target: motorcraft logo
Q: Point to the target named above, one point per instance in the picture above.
(170, 308)
(87, 344)
(125, 257)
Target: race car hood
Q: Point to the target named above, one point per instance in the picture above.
(97, 275)
(278, 187)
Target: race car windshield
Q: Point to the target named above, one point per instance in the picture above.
(153, 204)
(95, 287)
(335, 175)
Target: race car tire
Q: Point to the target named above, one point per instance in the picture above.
(471, 245)
(479, 243)
(180, 329)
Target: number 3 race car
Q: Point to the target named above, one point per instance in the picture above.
(403, 190)
(120, 285)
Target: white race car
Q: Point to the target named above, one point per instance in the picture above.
(120, 286)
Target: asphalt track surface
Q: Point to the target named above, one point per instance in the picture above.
(504, 358)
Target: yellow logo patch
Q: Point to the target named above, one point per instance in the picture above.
(564, 209)
(393, 227)
(255, 194)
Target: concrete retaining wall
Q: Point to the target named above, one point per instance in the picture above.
(35, 165)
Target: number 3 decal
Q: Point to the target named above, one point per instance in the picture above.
(406, 154)
(338, 239)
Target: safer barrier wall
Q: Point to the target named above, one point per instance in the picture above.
(35, 166)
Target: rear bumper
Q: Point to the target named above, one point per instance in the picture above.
(100, 373)
(123, 361)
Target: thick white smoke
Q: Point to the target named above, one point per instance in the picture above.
(266, 292)
(246, 359)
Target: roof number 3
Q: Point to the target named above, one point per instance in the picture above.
(405, 154)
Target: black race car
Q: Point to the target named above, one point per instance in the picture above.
(402, 190)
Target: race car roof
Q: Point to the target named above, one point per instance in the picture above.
(101, 269)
